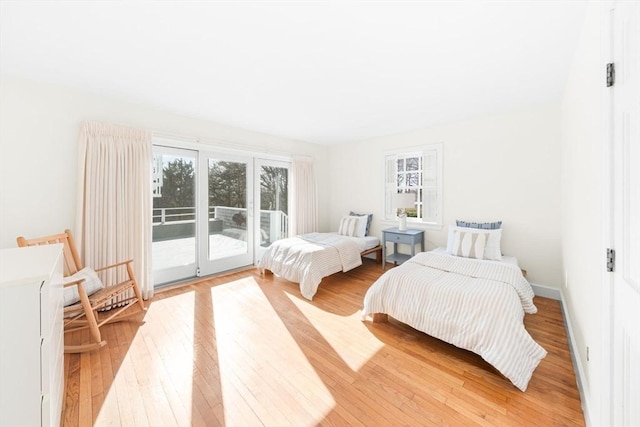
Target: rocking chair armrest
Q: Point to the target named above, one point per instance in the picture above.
(74, 283)
(117, 264)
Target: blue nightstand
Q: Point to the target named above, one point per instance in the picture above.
(395, 236)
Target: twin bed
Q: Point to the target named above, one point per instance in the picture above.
(454, 294)
(308, 258)
(477, 305)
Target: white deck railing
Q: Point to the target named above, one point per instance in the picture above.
(274, 224)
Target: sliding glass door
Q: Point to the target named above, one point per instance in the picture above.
(272, 202)
(174, 246)
(226, 230)
(214, 211)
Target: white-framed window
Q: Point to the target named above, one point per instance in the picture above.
(417, 171)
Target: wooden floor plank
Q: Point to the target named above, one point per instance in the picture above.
(243, 349)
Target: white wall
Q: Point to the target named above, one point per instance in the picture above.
(501, 167)
(39, 126)
(582, 203)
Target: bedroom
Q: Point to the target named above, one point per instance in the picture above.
(546, 187)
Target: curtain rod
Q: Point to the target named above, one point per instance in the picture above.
(228, 144)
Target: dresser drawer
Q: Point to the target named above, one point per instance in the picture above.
(399, 238)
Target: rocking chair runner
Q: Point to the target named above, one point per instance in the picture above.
(93, 309)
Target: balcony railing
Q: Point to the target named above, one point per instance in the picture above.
(172, 215)
(175, 223)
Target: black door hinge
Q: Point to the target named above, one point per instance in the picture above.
(611, 74)
(611, 260)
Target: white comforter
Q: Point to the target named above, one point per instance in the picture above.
(306, 259)
(475, 305)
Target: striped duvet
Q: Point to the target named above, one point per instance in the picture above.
(472, 304)
(306, 259)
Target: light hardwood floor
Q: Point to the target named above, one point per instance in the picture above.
(243, 350)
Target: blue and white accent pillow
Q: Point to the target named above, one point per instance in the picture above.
(481, 225)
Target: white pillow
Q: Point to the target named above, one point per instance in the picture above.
(92, 284)
(354, 226)
(469, 243)
(492, 250)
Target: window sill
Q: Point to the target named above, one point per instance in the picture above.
(415, 225)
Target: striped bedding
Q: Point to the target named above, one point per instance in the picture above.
(473, 304)
(306, 259)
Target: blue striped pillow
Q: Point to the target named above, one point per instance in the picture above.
(481, 225)
(369, 217)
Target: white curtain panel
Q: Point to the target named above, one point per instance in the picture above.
(304, 216)
(113, 221)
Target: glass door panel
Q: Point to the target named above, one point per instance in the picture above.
(214, 212)
(174, 245)
(273, 203)
(227, 234)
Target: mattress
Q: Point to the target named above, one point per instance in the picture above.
(364, 243)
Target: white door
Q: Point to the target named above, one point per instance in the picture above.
(272, 203)
(226, 222)
(174, 247)
(625, 328)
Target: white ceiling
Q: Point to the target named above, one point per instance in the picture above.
(325, 71)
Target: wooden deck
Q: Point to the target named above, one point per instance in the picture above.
(246, 350)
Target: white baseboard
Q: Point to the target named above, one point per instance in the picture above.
(556, 294)
(577, 364)
(546, 292)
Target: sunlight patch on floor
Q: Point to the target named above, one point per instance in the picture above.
(139, 397)
(262, 365)
(330, 325)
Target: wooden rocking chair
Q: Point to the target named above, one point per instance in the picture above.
(95, 307)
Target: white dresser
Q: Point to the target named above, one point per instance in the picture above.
(31, 336)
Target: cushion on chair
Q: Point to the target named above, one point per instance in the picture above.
(92, 284)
